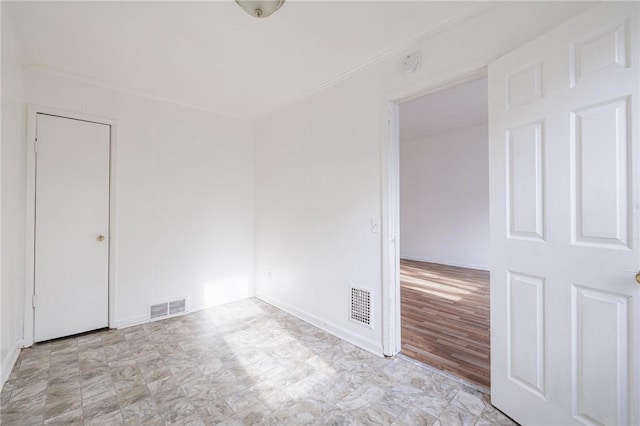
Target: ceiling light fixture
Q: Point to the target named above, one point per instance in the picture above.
(260, 8)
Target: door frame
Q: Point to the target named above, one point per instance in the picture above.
(32, 112)
(390, 162)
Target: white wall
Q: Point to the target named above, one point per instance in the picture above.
(13, 203)
(444, 198)
(185, 183)
(318, 184)
(184, 197)
(318, 169)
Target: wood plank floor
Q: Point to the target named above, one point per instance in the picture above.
(445, 318)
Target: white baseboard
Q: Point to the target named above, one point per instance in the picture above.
(143, 319)
(130, 322)
(222, 302)
(346, 335)
(442, 262)
(7, 364)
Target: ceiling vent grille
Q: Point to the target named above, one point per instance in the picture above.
(361, 306)
(167, 309)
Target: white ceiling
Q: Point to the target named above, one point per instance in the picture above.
(460, 106)
(211, 54)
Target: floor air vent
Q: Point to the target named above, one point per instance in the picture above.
(361, 306)
(167, 309)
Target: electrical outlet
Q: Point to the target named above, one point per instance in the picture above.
(270, 273)
(375, 225)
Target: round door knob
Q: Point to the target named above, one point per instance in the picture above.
(638, 277)
(100, 238)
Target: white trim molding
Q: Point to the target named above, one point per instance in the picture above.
(8, 362)
(390, 191)
(346, 335)
(448, 263)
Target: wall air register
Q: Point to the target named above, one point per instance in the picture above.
(167, 309)
(361, 306)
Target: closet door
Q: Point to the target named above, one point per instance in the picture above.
(71, 227)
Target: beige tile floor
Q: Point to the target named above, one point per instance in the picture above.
(242, 363)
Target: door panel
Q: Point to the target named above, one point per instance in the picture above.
(526, 331)
(525, 180)
(600, 356)
(72, 211)
(565, 202)
(599, 141)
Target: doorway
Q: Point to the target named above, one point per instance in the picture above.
(444, 230)
(71, 226)
(564, 300)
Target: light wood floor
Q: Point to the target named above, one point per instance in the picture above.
(445, 318)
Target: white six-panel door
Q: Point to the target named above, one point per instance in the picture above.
(565, 204)
(71, 227)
